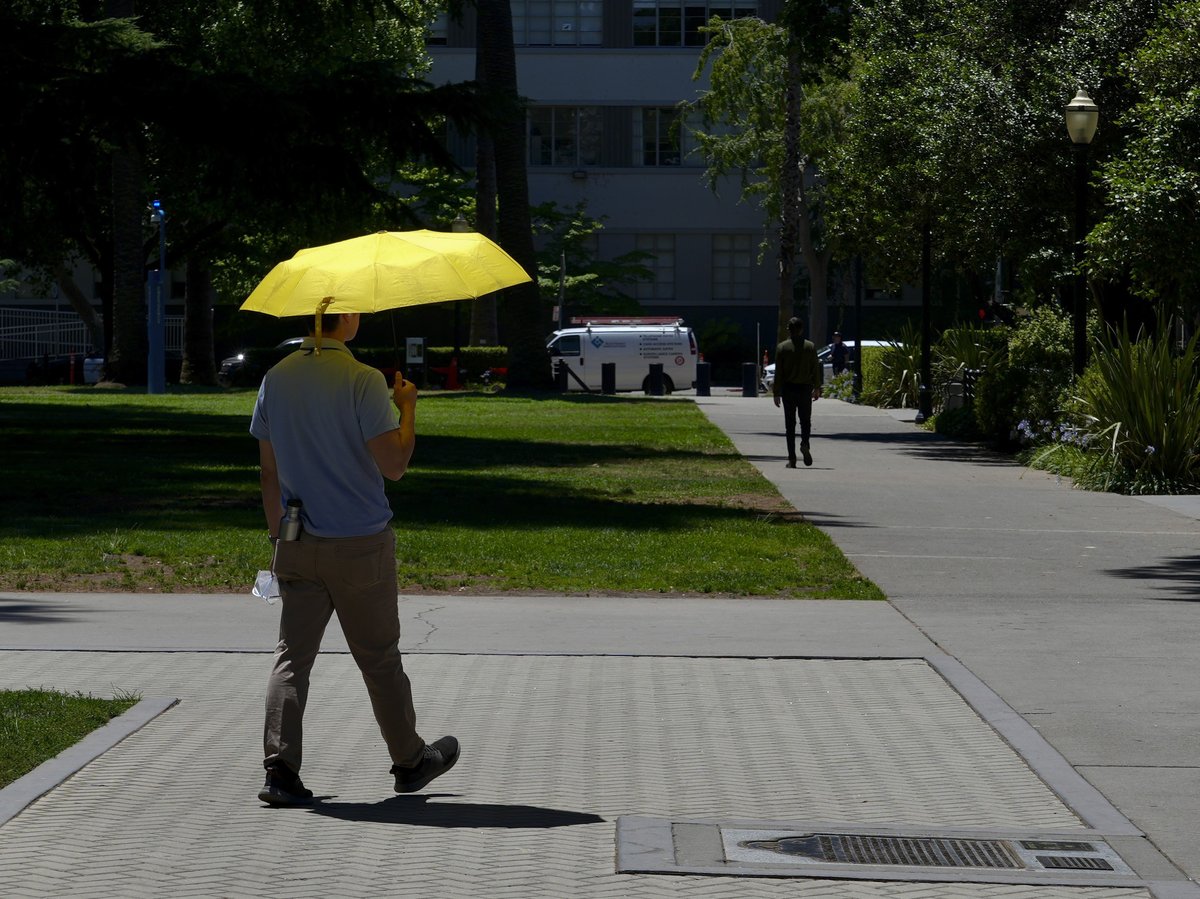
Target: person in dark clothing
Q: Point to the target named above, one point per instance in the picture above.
(839, 354)
(798, 380)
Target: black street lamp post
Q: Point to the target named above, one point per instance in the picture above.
(1082, 116)
(925, 390)
(156, 377)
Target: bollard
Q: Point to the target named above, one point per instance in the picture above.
(560, 376)
(749, 379)
(655, 379)
(72, 374)
(703, 379)
(608, 378)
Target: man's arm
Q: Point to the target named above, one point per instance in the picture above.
(781, 363)
(392, 450)
(269, 479)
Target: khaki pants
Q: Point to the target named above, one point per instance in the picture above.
(355, 577)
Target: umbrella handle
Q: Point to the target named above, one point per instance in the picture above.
(321, 307)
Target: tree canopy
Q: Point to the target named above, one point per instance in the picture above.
(262, 126)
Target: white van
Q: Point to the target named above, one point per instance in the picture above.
(632, 345)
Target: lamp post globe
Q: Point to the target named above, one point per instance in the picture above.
(1083, 117)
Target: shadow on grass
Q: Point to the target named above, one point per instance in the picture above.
(78, 470)
(1179, 575)
(543, 396)
(418, 811)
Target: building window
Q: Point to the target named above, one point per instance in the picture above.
(677, 23)
(661, 248)
(557, 23)
(731, 259)
(657, 140)
(435, 35)
(564, 135)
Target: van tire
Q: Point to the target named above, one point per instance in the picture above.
(668, 385)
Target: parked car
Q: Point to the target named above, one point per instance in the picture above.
(234, 366)
(825, 356)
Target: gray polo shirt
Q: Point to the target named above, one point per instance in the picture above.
(318, 412)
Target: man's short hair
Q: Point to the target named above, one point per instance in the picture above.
(795, 324)
(329, 321)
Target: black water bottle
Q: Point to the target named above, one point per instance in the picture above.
(289, 526)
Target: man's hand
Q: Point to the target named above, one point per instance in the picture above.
(776, 402)
(816, 394)
(392, 450)
(404, 394)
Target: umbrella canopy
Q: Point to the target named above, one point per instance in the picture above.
(387, 270)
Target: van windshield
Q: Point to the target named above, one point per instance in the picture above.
(567, 345)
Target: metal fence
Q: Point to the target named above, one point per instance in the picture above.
(40, 333)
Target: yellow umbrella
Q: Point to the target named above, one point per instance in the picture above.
(387, 270)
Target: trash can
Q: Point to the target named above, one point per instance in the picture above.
(749, 379)
(608, 378)
(93, 369)
(656, 379)
(703, 379)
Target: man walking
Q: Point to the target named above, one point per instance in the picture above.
(798, 380)
(328, 435)
(839, 354)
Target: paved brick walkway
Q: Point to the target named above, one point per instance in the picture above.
(555, 749)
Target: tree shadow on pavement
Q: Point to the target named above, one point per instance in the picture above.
(924, 445)
(31, 613)
(1174, 575)
(420, 812)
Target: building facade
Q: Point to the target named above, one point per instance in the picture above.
(603, 81)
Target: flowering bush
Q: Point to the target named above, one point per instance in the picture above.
(1027, 382)
(840, 387)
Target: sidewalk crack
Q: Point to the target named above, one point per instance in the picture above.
(430, 627)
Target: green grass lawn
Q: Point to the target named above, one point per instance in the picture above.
(36, 725)
(116, 490)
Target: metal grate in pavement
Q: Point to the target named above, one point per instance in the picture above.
(775, 849)
(874, 849)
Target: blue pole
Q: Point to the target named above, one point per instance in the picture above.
(156, 368)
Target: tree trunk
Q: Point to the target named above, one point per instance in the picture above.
(792, 212)
(483, 310)
(524, 320)
(817, 263)
(199, 355)
(126, 362)
(81, 305)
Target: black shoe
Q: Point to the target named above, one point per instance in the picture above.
(437, 758)
(284, 788)
(791, 463)
(806, 454)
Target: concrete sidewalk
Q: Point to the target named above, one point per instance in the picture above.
(1008, 592)
(1081, 610)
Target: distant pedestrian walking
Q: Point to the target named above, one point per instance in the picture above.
(839, 354)
(798, 380)
(328, 435)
